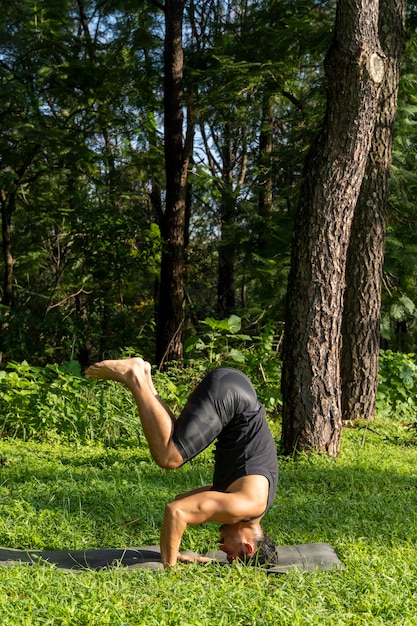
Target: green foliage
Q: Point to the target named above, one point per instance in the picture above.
(397, 389)
(83, 179)
(58, 496)
(223, 343)
(263, 367)
(82, 161)
(399, 322)
(399, 296)
(84, 245)
(215, 345)
(39, 402)
(44, 402)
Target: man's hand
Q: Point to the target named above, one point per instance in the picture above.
(185, 558)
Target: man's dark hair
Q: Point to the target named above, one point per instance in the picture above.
(265, 552)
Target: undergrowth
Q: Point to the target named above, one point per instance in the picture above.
(44, 402)
(75, 472)
(60, 495)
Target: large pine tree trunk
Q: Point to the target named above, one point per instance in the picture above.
(331, 181)
(361, 327)
(171, 314)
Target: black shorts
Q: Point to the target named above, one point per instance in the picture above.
(223, 394)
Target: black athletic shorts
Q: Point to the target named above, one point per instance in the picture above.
(224, 406)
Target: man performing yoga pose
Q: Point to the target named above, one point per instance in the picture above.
(224, 406)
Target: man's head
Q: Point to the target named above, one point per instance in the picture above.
(248, 542)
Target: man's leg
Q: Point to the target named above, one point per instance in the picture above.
(222, 394)
(157, 421)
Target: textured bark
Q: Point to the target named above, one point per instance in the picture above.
(331, 181)
(170, 321)
(265, 163)
(361, 319)
(6, 218)
(226, 301)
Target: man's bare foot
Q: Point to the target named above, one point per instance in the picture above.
(122, 370)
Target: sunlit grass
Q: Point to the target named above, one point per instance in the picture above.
(57, 495)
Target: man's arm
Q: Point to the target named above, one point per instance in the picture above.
(200, 507)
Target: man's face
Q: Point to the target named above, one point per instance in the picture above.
(232, 541)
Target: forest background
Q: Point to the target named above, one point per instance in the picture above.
(86, 176)
(87, 166)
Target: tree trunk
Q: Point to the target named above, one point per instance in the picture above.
(265, 165)
(171, 314)
(263, 224)
(330, 186)
(6, 218)
(361, 317)
(226, 301)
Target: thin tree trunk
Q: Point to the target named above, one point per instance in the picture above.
(8, 207)
(331, 181)
(265, 165)
(226, 301)
(362, 307)
(86, 29)
(171, 309)
(6, 219)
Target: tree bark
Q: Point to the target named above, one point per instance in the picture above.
(362, 307)
(330, 186)
(171, 312)
(226, 301)
(6, 219)
(265, 164)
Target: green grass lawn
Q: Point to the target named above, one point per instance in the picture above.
(57, 495)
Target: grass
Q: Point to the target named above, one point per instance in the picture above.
(61, 495)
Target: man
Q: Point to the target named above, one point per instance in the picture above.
(224, 406)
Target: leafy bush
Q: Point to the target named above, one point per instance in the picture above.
(222, 343)
(41, 401)
(397, 389)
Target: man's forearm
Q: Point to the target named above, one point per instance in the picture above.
(204, 505)
(172, 530)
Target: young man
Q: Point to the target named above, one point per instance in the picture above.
(224, 406)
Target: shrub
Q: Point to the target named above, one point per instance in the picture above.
(397, 389)
(222, 343)
(40, 401)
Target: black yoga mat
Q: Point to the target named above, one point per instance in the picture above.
(306, 557)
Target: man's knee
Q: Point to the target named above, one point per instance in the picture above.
(169, 465)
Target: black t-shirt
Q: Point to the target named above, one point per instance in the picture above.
(224, 406)
(246, 447)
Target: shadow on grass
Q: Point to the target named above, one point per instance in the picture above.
(372, 500)
(117, 497)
